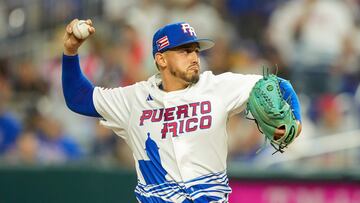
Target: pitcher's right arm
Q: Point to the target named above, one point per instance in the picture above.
(77, 89)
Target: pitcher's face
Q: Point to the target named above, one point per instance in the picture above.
(184, 62)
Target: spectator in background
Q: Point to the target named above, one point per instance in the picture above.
(54, 145)
(352, 63)
(203, 16)
(107, 149)
(138, 18)
(115, 11)
(357, 105)
(131, 56)
(124, 59)
(329, 115)
(26, 150)
(335, 115)
(3, 32)
(10, 126)
(313, 37)
(104, 146)
(28, 82)
(249, 17)
(218, 56)
(54, 12)
(29, 87)
(244, 140)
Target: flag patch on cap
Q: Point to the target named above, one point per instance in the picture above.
(162, 42)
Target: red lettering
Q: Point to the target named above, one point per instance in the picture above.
(182, 110)
(181, 127)
(173, 128)
(154, 119)
(205, 122)
(205, 107)
(164, 130)
(193, 106)
(169, 114)
(169, 127)
(145, 115)
(188, 122)
(188, 113)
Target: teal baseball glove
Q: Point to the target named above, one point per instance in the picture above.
(270, 111)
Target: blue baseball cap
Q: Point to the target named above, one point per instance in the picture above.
(177, 34)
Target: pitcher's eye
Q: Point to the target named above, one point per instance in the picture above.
(189, 50)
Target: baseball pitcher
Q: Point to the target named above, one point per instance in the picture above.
(175, 122)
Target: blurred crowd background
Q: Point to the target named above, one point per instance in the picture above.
(313, 43)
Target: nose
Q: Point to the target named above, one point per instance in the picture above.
(194, 57)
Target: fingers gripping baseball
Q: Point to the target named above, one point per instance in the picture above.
(74, 38)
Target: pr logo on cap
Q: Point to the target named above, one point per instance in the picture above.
(177, 34)
(188, 29)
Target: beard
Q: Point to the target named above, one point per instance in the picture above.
(192, 77)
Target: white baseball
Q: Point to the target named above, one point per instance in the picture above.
(81, 29)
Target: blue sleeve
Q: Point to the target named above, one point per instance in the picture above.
(78, 91)
(290, 96)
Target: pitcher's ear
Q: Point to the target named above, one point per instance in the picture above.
(160, 60)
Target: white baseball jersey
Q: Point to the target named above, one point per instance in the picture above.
(178, 138)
